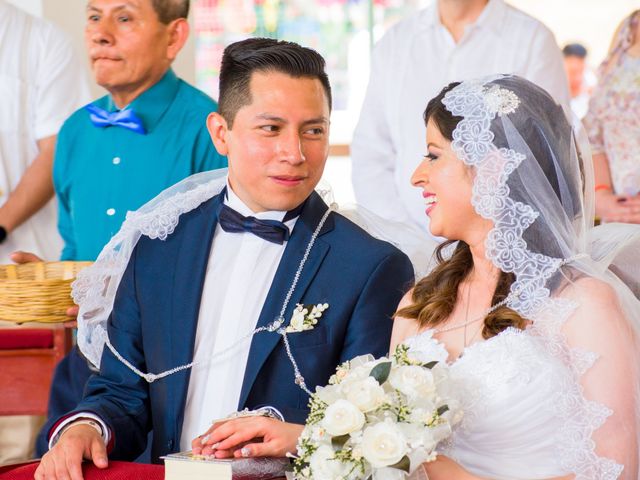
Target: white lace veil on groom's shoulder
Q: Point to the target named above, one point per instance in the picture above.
(95, 288)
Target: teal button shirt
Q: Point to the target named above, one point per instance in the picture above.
(101, 173)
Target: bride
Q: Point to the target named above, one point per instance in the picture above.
(540, 334)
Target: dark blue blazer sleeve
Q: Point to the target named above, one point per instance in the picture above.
(117, 395)
(370, 326)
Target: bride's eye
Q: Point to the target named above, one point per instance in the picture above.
(430, 156)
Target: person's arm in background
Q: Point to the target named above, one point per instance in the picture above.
(33, 191)
(610, 205)
(60, 88)
(373, 155)
(545, 67)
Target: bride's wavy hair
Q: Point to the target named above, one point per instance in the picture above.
(435, 296)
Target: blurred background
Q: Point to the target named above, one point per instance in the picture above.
(343, 31)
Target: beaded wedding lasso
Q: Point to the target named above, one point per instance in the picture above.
(275, 326)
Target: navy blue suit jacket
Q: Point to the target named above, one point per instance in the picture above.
(155, 314)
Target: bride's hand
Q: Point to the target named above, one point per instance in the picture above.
(443, 468)
(249, 437)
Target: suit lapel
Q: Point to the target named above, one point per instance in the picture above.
(189, 276)
(264, 343)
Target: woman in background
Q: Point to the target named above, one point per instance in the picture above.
(613, 126)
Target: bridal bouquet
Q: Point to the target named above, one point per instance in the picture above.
(379, 418)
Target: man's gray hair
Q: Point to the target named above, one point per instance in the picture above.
(170, 10)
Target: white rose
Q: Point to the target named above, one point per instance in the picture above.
(328, 394)
(412, 380)
(366, 394)
(324, 465)
(361, 360)
(383, 444)
(342, 417)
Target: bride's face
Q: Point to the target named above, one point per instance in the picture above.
(446, 184)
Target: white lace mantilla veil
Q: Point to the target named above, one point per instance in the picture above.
(564, 267)
(95, 288)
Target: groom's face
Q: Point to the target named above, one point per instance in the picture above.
(279, 142)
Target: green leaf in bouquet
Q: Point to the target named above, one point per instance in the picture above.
(404, 464)
(381, 372)
(401, 354)
(430, 365)
(338, 442)
(442, 409)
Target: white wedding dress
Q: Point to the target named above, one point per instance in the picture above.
(519, 403)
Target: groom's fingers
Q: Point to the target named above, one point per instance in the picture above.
(236, 431)
(235, 440)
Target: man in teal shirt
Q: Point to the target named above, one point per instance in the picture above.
(100, 173)
(120, 151)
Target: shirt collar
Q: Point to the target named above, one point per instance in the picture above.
(151, 104)
(492, 16)
(232, 200)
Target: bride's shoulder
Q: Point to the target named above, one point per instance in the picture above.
(403, 327)
(589, 292)
(597, 311)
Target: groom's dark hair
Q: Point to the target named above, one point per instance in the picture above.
(241, 59)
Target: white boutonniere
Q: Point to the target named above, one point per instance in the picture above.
(305, 317)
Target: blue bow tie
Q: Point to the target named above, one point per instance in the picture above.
(270, 230)
(122, 118)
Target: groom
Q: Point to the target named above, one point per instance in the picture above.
(228, 268)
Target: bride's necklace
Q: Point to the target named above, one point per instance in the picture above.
(507, 299)
(466, 322)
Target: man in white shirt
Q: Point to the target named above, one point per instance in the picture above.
(41, 83)
(238, 260)
(451, 40)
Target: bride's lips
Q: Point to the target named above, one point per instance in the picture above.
(288, 180)
(431, 201)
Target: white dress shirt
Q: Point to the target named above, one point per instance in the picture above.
(410, 65)
(239, 274)
(41, 83)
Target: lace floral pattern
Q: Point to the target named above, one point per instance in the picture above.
(478, 103)
(94, 289)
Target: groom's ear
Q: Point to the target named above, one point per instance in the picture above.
(217, 126)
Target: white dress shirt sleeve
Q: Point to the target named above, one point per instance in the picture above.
(546, 66)
(61, 83)
(106, 434)
(373, 153)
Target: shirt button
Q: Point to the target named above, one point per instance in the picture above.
(111, 211)
(116, 160)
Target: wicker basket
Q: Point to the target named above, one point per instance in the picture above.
(37, 291)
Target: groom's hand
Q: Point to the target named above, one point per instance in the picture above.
(248, 437)
(64, 460)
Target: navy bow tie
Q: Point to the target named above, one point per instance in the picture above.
(122, 118)
(270, 230)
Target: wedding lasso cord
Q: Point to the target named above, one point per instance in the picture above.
(275, 326)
